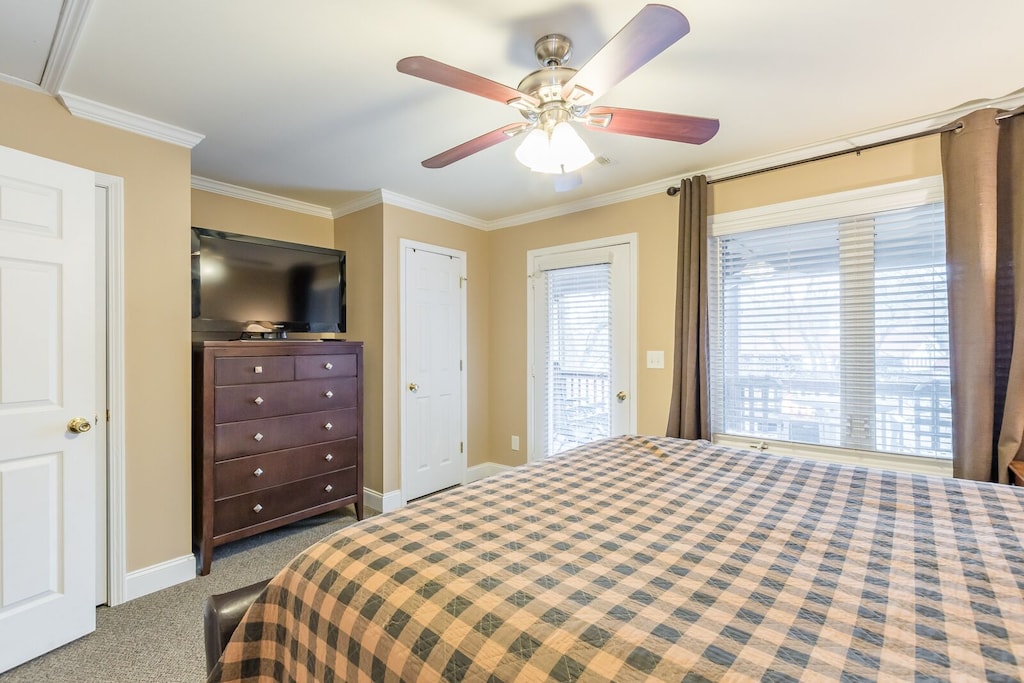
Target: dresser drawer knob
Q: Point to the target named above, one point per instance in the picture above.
(258, 369)
(258, 508)
(258, 400)
(329, 394)
(328, 457)
(328, 426)
(258, 472)
(258, 437)
(328, 488)
(328, 366)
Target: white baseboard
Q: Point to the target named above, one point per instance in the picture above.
(392, 500)
(159, 576)
(487, 469)
(385, 502)
(179, 570)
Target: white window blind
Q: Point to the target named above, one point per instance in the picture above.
(834, 333)
(577, 356)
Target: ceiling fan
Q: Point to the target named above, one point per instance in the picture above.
(556, 96)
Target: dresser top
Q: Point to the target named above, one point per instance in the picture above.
(274, 347)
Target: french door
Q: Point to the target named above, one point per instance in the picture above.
(581, 345)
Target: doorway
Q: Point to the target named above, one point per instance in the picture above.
(581, 340)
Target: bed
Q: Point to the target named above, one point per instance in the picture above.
(643, 558)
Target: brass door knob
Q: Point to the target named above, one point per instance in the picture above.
(79, 425)
(621, 395)
(413, 386)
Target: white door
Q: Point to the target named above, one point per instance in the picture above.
(581, 354)
(433, 445)
(47, 379)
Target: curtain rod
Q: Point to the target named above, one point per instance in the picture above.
(674, 190)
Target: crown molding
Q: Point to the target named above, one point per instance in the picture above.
(850, 142)
(399, 200)
(133, 123)
(228, 190)
(21, 83)
(625, 195)
(372, 198)
(390, 198)
(69, 28)
(796, 154)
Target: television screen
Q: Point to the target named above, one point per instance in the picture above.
(239, 280)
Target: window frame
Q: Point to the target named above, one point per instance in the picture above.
(830, 207)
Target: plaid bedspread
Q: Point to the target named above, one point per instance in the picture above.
(641, 558)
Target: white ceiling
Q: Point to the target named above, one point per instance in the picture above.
(301, 99)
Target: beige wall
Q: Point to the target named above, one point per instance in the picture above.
(229, 214)
(655, 220)
(156, 288)
(889, 164)
(361, 236)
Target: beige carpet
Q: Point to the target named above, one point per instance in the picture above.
(158, 637)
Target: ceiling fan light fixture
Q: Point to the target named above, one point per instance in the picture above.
(533, 151)
(560, 151)
(568, 149)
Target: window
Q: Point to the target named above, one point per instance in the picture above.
(833, 331)
(578, 356)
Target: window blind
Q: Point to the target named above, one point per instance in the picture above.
(577, 356)
(834, 333)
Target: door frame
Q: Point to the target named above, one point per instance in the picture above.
(632, 240)
(115, 531)
(403, 246)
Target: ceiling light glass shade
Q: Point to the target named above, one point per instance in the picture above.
(533, 152)
(563, 151)
(568, 148)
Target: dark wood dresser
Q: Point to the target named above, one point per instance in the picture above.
(277, 436)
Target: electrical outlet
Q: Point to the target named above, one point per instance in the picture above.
(515, 442)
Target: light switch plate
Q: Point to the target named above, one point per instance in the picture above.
(656, 359)
(515, 442)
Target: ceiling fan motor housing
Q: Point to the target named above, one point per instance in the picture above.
(553, 49)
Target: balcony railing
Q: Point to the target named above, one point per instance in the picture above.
(580, 408)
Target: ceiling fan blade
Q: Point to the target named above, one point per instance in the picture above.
(475, 145)
(646, 35)
(652, 124)
(438, 72)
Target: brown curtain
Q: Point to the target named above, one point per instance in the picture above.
(983, 178)
(688, 415)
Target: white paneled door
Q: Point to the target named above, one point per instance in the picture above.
(47, 382)
(433, 448)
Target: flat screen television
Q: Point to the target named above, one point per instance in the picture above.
(242, 283)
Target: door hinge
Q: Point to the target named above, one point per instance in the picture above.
(108, 414)
(461, 280)
(460, 365)
(460, 447)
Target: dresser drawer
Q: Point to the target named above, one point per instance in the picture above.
(235, 439)
(330, 365)
(254, 401)
(253, 369)
(239, 475)
(249, 509)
